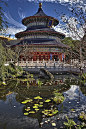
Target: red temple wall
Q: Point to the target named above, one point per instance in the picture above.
(42, 55)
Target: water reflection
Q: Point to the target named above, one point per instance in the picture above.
(12, 111)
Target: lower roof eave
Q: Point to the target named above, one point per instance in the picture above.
(45, 45)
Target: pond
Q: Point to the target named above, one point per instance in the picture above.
(16, 113)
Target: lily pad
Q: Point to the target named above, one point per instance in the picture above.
(30, 100)
(24, 102)
(41, 102)
(37, 97)
(35, 106)
(50, 114)
(48, 100)
(40, 105)
(27, 109)
(54, 112)
(36, 109)
(53, 124)
(46, 110)
(43, 111)
(32, 112)
(26, 113)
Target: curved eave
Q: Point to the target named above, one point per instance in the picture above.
(31, 17)
(47, 45)
(40, 32)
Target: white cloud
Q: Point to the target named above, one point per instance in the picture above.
(12, 31)
(12, 21)
(61, 1)
(21, 13)
(18, 27)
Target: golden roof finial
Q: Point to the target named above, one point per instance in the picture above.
(40, 5)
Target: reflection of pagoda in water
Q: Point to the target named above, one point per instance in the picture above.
(42, 40)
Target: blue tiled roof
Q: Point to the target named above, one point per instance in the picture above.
(40, 13)
(41, 41)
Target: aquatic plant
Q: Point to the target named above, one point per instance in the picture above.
(31, 75)
(69, 123)
(53, 124)
(26, 113)
(47, 101)
(50, 112)
(58, 97)
(40, 105)
(37, 97)
(26, 101)
(82, 116)
(39, 83)
(32, 112)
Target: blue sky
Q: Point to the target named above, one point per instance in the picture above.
(19, 9)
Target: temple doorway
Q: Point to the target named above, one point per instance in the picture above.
(55, 57)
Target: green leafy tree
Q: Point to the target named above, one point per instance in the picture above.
(6, 54)
(3, 22)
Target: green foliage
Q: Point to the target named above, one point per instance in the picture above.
(83, 76)
(19, 68)
(69, 123)
(58, 97)
(39, 83)
(68, 41)
(6, 54)
(79, 126)
(3, 22)
(75, 48)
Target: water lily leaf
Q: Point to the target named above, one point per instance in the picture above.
(54, 112)
(36, 109)
(43, 111)
(46, 110)
(41, 102)
(53, 124)
(24, 102)
(30, 100)
(40, 105)
(35, 106)
(32, 112)
(26, 113)
(48, 100)
(37, 97)
(27, 109)
(72, 109)
(50, 114)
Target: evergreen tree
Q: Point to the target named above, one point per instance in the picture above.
(3, 22)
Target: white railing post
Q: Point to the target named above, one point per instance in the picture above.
(49, 61)
(43, 61)
(54, 60)
(32, 61)
(38, 61)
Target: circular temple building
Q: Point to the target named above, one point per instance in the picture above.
(40, 41)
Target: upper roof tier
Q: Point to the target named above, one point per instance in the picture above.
(39, 16)
(40, 11)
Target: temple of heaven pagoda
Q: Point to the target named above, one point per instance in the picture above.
(40, 41)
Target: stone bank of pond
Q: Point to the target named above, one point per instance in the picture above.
(31, 106)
